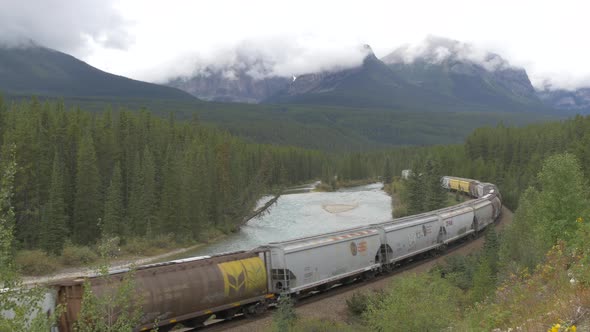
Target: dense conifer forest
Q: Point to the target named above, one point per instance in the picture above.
(510, 157)
(81, 175)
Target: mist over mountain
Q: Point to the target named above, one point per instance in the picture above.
(246, 79)
(577, 100)
(255, 71)
(372, 84)
(367, 105)
(460, 71)
(30, 69)
(437, 74)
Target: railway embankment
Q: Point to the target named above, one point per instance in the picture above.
(143, 253)
(332, 305)
(117, 264)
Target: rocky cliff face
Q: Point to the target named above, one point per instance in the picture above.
(371, 84)
(230, 85)
(437, 74)
(318, 82)
(242, 76)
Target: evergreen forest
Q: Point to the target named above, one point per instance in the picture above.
(81, 175)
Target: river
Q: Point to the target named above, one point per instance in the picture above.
(304, 214)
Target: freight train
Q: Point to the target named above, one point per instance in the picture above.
(190, 291)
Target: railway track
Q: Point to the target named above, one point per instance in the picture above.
(239, 321)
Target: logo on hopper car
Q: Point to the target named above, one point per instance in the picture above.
(362, 247)
(353, 249)
(236, 284)
(243, 276)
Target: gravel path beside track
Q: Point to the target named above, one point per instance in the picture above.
(334, 307)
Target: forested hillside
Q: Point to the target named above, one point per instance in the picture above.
(33, 69)
(328, 128)
(533, 275)
(81, 175)
(510, 157)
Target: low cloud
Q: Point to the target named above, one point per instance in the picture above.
(435, 49)
(280, 57)
(559, 81)
(69, 26)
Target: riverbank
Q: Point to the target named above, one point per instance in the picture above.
(307, 214)
(340, 184)
(119, 262)
(38, 266)
(400, 198)
(395, 189)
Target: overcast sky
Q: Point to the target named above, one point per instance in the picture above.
(154, 40)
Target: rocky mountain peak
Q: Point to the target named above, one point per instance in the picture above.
(243, 77)
(437, 50)
(463, 71)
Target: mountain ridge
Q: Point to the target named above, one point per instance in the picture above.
(575, 100)
(443, 74)
(37, 70)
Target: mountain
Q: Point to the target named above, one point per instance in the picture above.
(468, 75)
(372, 84)
(36, 70)
(577, 100)
(246, 80)
(440, 74)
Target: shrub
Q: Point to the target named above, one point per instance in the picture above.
(36, 262)
(357, 303)
(400, 211)
(284, 317)
(73, 255)
(415, 303)
(148, 246)
(136, 246)
(162, 241)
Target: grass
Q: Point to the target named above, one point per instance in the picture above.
(36, 262)
(534, 301)
(399, 197)
(39, 263)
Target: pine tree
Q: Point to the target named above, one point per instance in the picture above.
(149, 189)
(416, 193)
(2, 118)
(7, 219)
(387, 174)
(434, 192)
(113, 206)
(22, 303)
(483, 280)
(491, 249)
(135, 207)
(55, 230)
(170, 198)
(87, 207)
